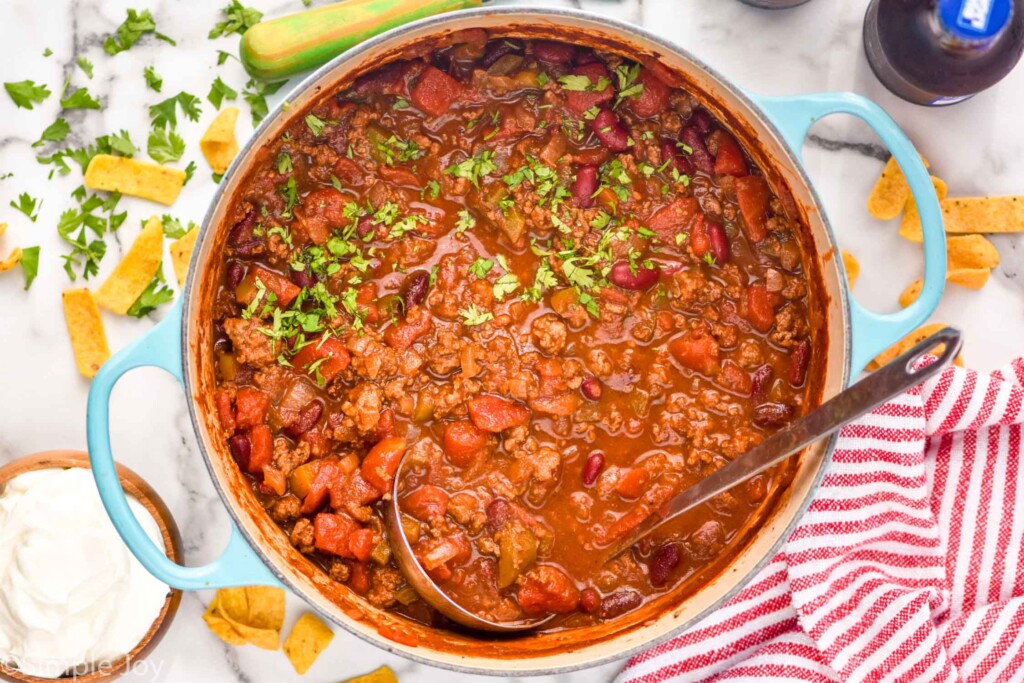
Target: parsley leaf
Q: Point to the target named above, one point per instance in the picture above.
(30, 264)
(580, 83)
(165, 113)
(465, 222)
(190, 170)
(24, 93)
(284, 163)
(121, 144)
(239, 19)
(86, 66)
(80, 99)
(472, 316)
(474, 168)
(505, 285)
(255, 93)
(153, 79)
(316, 125)
(156, 294)
(55, 132)
(128, 33)
(481, 267)
(220, 91)
(28, 206)
(173, 227)
(165, 145)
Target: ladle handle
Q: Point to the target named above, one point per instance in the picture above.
(880, 386)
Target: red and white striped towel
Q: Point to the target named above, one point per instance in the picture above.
(908, 565)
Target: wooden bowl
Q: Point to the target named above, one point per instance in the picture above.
(135, 486)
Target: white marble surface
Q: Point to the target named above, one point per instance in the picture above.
(978, 147)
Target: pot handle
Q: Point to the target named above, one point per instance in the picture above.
(238, 565)
(872, 332)
(275, 49)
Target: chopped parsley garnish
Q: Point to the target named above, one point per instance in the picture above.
(165, 113)
(432, 189)
(156, 294)
(153, 79)
(28, 205)
(121, 144)
(544, 180)
(238, 19)
(400, 103)
(316, 125)
(290, 192)
(465, 222)
(580, 83)
(55, 132)
(173, 227)
(284, 163)
(80, 99)
(394, 148)
(165, 145)
(220, 91)
(30, 264)
(86, 66)
(543, 280)
(190, 170)
(75, 225)
(481, 267)
(128, 33)
(628, 87)
(472, 316)
(505, 285)
(26, 93)
(709, 259)
(255, 94)
(474, 168)
(542, 79)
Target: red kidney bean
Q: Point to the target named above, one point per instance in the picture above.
(719, 242)
(551, 52)
(496, 49)
(303, 278)
(584, 186)
(590, 599)
(242, 230)
(772, 414)
(364, 226)
(669, 151)
(610, 131)
(699, 155)
(760, 382)
(592, 468)
(701, 120)
(799, 359)
(622, 276)
(241, 449)
(498, 514)
(664, 561)
(586, 57)
(618, 603)
(414, 289)
(591, 388)
(305, 420)
(235, 273)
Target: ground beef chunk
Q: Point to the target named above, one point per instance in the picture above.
(339, 570)
(287, 457)
(250, 342)
(384, 585)
(285, 509)
(302, 535)
(364, 405)
(550, 334)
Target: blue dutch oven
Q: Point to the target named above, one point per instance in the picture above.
(773, 130)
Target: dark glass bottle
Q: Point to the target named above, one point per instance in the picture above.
(940, 52)
(774, 4)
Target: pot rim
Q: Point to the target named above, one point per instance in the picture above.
(627, 31)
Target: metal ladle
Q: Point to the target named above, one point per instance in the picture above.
(890, 381)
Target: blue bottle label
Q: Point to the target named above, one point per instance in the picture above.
(943, 101)
(974, 14)
(975, 20)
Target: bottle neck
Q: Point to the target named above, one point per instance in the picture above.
(971, 24)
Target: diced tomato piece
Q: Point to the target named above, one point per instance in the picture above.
(652, 98)
(760, 311)
(361, 543)
(332, 350)
(225, 411)
(282, 288)
(405, 332)
(328, 475)
(753, 196)
(464, 443)
(359, 578)
(494, 414)
(633, 482)
(400, 176)
(348, 172)
(250, 407)
(381, 463)
(729, 159)
(331, 533)
(579, 101)
(366, 300)
(700, 240)
(262, 452)
(673, 219)
(696, 350)
(426, 502)
(354, 492)
(435, 91)
(547, 589)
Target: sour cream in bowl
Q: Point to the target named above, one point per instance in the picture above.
(73, 599)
